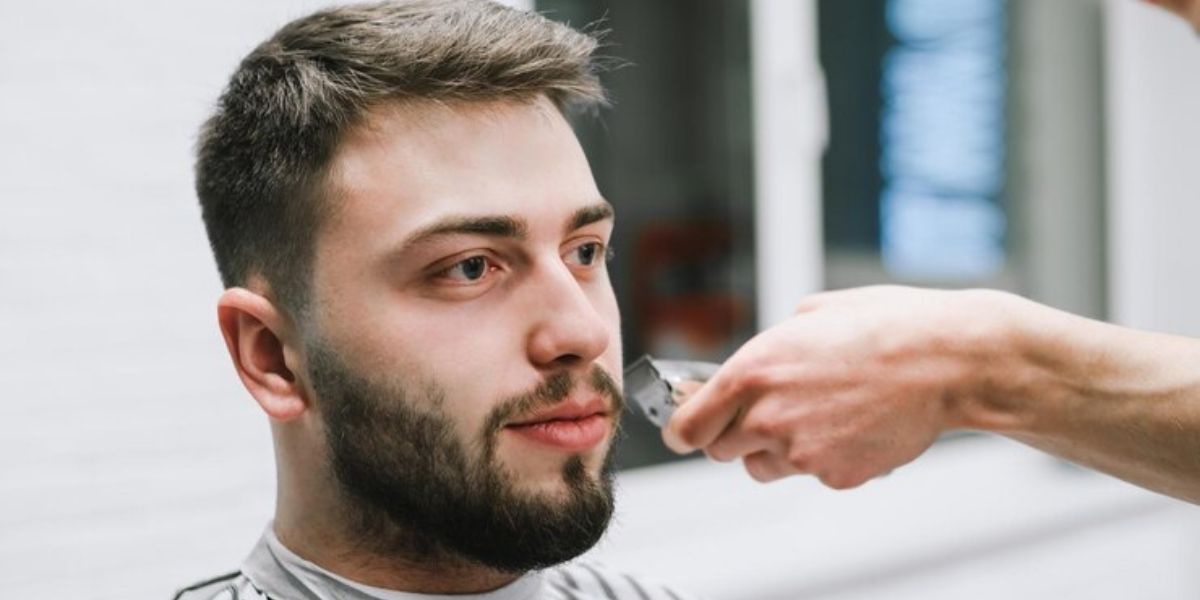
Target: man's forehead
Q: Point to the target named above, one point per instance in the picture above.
(418, 136)
(418, 163)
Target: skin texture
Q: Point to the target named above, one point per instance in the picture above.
(862, 381)
(431, 314)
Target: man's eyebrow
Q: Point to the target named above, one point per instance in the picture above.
(491, 226)
(589, 214)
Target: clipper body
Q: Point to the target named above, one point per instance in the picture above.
(655, 385)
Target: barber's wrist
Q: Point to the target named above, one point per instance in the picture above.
(1002, 356)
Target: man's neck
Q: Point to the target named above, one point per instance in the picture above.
(337, 552)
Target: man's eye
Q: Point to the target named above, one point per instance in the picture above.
(587, 254)
(471, 269)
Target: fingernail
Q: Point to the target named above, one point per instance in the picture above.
(673, 442)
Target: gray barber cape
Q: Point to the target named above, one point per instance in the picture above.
(272, 572)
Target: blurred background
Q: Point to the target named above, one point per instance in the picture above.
(757, 150)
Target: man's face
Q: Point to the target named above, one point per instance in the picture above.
(464, 350)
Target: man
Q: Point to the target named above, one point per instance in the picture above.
(414, 251)
(862, 381)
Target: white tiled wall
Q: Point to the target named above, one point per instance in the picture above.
(127, 445)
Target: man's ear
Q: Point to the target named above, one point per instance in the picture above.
(256, 337)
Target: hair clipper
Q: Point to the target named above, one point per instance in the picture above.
(657, 385)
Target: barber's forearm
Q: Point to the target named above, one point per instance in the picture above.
(1122, 401)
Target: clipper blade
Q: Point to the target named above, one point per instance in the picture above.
(655, 384)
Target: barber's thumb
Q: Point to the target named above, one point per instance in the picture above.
(684, 391)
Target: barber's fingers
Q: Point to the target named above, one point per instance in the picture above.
(709, 411)
(738, 441)
(765, 466)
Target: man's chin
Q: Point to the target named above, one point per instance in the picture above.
(554, 475)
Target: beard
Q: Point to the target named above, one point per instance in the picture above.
(415, 492)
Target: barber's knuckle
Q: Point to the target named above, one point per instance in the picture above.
(719, 453)
(817, 448)
(830, 480)
(853, 481)
(688, 430)
(746, 382)
(800, 460)
(842, 480)
(759, 471)
(766, 429)
(840, 484)
(761, 379)
(760, 425)
(734, 385)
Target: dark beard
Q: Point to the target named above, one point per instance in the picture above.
(416, 493)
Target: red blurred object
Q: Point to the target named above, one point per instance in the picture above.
(675, 299)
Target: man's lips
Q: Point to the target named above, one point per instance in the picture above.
(569, 410)
(570, 426)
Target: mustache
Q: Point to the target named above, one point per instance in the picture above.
(551, 391)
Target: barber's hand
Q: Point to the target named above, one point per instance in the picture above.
(857, 383)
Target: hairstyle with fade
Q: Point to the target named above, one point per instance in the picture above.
(263, 156)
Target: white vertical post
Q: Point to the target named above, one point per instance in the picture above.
(1153, 91)
(790, 133)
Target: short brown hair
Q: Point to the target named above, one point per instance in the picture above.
(263, 155)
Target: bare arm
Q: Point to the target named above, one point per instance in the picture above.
(862, 381)
(1121, 401)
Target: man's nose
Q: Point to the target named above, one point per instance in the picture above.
(567, 329)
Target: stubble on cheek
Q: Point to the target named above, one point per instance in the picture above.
(551, 391)
(575, 470)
